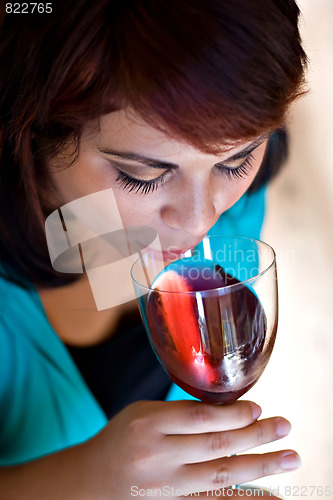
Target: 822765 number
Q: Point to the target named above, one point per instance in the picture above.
(28, 8)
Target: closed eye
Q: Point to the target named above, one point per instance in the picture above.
(239, 172)
(133, 184)
(130, 183)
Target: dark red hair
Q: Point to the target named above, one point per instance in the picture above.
(202, 71)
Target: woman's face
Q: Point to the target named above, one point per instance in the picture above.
(157, 181)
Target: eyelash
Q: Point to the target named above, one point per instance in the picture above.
(240, 172)
(144, 187)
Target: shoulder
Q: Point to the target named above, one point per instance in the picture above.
(8, 341)
(20, 321)
(15, 300)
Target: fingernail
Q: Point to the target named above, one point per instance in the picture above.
(283, 427)
(290, 461)
(256, 411)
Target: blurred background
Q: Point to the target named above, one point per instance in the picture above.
(298, 382)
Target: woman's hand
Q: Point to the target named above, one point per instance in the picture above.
(183, 447)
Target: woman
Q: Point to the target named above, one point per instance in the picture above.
(178, 107)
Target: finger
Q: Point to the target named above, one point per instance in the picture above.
(195, 417)
(204, 447)
(222, 473)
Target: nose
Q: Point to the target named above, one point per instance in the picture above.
(194, 209)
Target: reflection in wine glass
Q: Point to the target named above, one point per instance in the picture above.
(211, 316)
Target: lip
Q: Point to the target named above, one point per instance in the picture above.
(172, 254)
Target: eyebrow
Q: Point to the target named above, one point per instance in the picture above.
(160, 164)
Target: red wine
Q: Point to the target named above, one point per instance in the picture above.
(211, 344)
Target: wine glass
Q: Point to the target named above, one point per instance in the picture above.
(211, 313)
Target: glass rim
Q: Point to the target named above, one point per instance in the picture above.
(210, 290)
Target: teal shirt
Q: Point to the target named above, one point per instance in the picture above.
(45, 404)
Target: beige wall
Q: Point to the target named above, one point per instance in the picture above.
(298, 382)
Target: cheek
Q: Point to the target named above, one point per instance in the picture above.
(136, 210)
(258, 156)
(84, 177)
(233, 189)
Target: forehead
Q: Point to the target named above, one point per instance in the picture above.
(124, 131)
